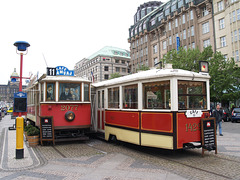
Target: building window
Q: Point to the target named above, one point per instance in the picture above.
(193, 45)
(184, 34)
(123, 70)
(154, 49)
(205, 11)
(176, 22)
(192, 30)
(105, 68)
(221, 23)
(206, 43)
(106, 76)
(164, 45)
(153, 21)
(233, 16)
(191, 15)
(170, 40)
(146, 50)
(155, 61)
(169, 26)
(238, 14)
(220, 5)
(117, 69)
(235, 35)
(237, 56)
(223, 41)
(123, 62)
(183, 18)
(205, 27)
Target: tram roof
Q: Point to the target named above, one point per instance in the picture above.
(65, 78)
(152, 74)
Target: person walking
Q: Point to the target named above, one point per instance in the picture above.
(218, 114)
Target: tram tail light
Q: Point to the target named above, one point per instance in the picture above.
(69, 116)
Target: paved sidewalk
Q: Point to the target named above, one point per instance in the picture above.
(9, 161)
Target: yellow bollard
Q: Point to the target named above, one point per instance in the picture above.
(19, 138)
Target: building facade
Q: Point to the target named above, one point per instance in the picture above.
(176, 23)
(227, 28)
(7, 90)
(99, 66)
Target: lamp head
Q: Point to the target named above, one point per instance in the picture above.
(21, 45)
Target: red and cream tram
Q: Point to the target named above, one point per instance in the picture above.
(157, 108)
(64, 98)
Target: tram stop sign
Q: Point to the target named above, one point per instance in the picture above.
(20, 102)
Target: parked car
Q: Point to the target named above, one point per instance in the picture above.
(235, 115)
(10, 110)
(226, 114)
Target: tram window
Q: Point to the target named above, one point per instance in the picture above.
(113, 97)
(98, 99)
(86, 92)
(130, 97)
(156, 95)
(42, 92)
(102, 98)
(192, 95)
(50, 94)
(69, 91)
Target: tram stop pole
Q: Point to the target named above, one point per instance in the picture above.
(21, 47)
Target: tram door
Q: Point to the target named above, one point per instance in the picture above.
(100, 111)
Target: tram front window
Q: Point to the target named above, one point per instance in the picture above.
(50, 92)
(156, 95)
(192, 95)
(69, 91)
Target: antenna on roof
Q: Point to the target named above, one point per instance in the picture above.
(44, 59)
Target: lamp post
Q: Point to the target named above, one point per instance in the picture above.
(21, 48)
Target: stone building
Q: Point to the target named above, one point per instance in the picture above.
(227, 28)
(100, 65)
(185, 23)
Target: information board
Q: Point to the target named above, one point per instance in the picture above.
(208, 132)
(46, 129)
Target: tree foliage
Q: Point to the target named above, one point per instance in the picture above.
(115, 75)
(142, 68)
(225, 75)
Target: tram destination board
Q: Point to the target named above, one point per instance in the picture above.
(208, 131)
(46, 128)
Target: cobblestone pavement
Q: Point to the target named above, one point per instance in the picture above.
(96, 159)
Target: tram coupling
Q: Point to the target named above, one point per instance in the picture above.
(191, 146)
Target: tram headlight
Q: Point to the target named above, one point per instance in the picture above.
(69, 116)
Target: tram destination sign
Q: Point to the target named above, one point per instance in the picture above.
(208, 132)
(46, 129)
(59, 71)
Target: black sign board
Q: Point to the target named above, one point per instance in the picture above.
(51, 71)
(46, 129)
(208, 132)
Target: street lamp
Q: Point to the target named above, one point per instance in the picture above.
(21, 48)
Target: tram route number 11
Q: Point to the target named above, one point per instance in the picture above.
(193, 126)
(51, 71)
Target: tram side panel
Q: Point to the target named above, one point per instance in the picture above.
(123, 125)
(157, 129)
(58, 111)
(188, 129)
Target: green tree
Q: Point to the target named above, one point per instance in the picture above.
(225, 75)
(142, 68)
(115, 75)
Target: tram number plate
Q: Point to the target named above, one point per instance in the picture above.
(193, 127)
(69, 107)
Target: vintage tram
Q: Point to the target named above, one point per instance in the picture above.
(66, 99)
(157, 108)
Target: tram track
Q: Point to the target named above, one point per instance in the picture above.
(178, 162)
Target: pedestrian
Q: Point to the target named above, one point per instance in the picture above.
(218, 114)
